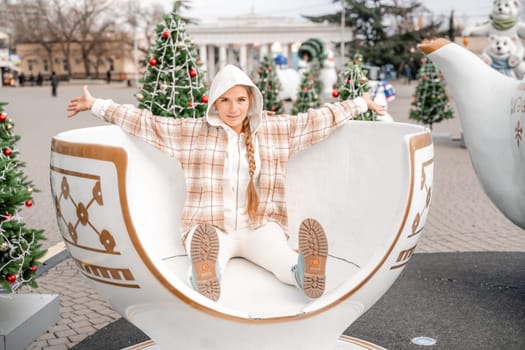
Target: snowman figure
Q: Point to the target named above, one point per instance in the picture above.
(328, 75)
(289, 78)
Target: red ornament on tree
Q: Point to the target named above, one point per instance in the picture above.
(204, 99)
(274, 108)
(7, 151)
(165, 34)
(29, 203)
(269, 68)
(190, 104)
(3, 117)
(269, 87)
(153, 61)
(193, 73)
(335, 93)
(32, 268)
(10, 278)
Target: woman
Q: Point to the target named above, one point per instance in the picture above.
(234, 161)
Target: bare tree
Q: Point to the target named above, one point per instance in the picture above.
(403, 15)
(96, 28)
(90, 24)
(61, 23)
(141, 19)
(26, 19)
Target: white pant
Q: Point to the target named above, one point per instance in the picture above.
(265, 246)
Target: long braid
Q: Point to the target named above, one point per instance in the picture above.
(251, 192)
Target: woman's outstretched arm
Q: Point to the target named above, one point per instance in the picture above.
(162, 132)
(81, 103)
(314, 125)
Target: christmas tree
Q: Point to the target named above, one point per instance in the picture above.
(20, 247)
(307, 96)
(173, 85)
(431, 103)
(269, 84)
(353, 84)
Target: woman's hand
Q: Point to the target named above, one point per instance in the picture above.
(380, 110)
(81, 103)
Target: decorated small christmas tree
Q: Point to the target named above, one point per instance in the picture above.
(268, 83)
(307, 96)
(353, 84)
(20, 247)
(430, 103)
(173, 85)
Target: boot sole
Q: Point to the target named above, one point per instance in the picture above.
(204, 253)
(313, 245)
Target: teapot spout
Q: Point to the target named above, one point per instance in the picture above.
(429, 46)
(491, 107)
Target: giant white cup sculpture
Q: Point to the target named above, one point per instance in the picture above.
(119, 200)
(491, 107)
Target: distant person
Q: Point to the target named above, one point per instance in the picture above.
(54, 84)
(108, 76)
(408, 73)
(31, 79)
(21, 79)
(39, 79)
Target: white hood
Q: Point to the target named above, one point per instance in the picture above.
(226, 78)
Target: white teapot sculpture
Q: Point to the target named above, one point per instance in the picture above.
(118, 203)
(491, 107)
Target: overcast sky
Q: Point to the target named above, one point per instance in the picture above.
(468, 11)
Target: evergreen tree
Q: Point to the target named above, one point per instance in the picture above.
(307, 96)
(353, 84)
(268, 83)
(20, 247)
(385, 32)
(173, 85)
(430, 103)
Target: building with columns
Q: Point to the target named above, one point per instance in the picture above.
(245, 40)
(238, 40)
(242, 40)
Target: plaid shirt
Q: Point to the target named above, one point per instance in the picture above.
(201, 150)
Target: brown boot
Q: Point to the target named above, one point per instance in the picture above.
(313, 250)
(204, 253)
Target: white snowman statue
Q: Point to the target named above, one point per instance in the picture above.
(328, 75)
(289, 78)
